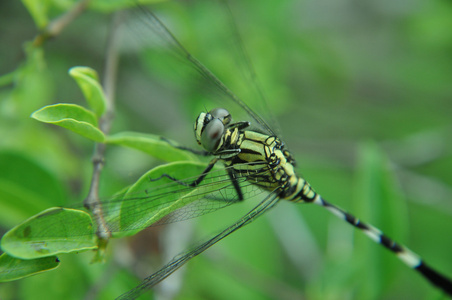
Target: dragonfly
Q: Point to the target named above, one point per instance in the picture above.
(258, 159)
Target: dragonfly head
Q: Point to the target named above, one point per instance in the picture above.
(210, 127)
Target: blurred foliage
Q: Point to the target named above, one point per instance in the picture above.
(362, 94)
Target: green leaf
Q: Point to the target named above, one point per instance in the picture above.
(88, 81)
(38, 10)
(148, 201)
(55, 230)
(26, 188)
(12, 268)
(72, 117)
(109, 5)
(151, 144)
(33, 86)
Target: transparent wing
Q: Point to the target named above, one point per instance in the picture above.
(155, 200)
(266, 204)
(155, 36)
(150, 202)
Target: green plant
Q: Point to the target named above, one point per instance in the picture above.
(375, 72)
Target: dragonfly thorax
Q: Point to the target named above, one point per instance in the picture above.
(261, 158)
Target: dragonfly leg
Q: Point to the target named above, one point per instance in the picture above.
(195, 182)
(231, 173)
(240, 125)
(233, 176)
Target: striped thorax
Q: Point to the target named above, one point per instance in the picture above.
(261, 158)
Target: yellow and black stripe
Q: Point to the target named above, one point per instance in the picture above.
(263, 160)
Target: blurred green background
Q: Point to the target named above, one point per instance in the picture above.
(361, 92)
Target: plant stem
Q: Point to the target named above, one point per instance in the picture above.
(92, 201)
(56, 26)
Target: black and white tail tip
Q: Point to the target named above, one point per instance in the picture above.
(408, 257)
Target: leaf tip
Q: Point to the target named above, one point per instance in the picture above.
(78, 71)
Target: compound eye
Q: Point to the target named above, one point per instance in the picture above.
(222, 114)
(212, 134)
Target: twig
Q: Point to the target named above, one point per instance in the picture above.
(57, 25)
(92, 201)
